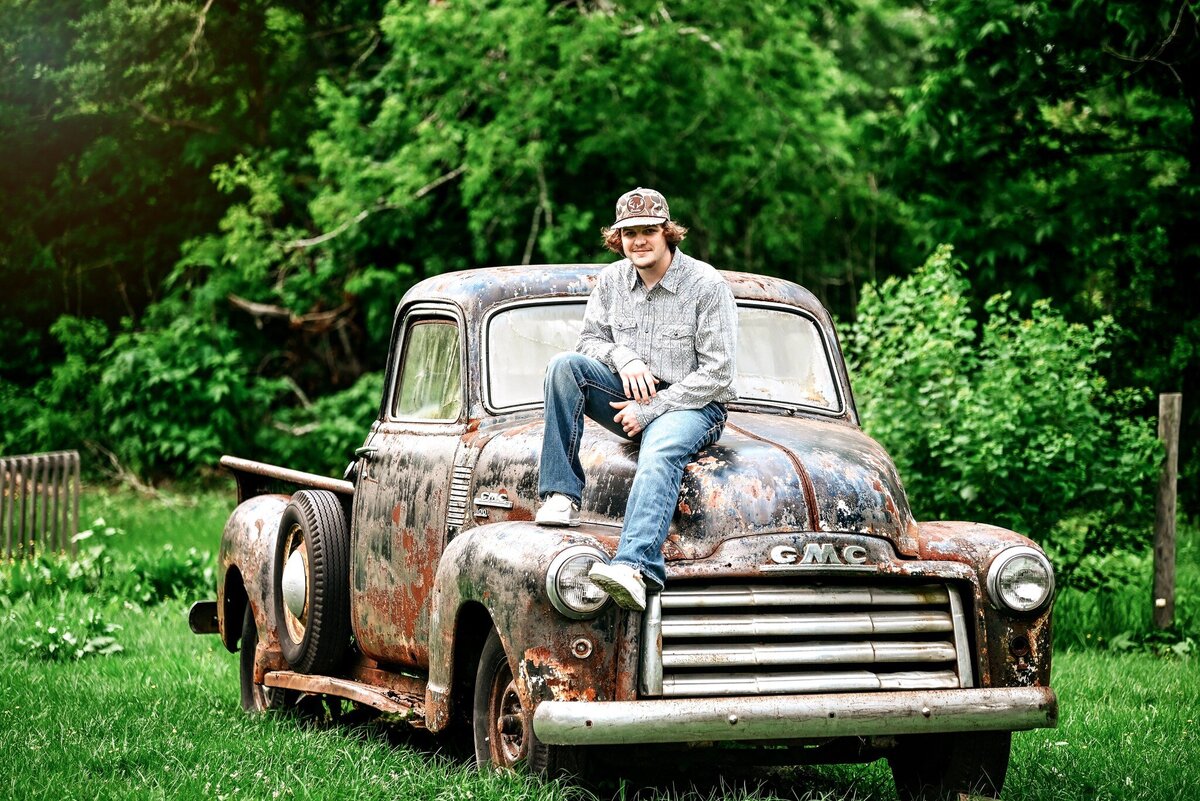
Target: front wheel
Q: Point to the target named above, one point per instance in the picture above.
(941, 767)
(504, 727)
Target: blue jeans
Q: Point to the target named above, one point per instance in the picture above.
(577, 385)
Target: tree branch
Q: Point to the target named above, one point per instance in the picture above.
(191, 48)
(313, 321)
(147, 114)
(380, 205)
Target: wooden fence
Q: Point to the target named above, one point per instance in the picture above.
(39, 503)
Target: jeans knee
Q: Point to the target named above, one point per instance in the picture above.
(560, 371)
(563, 365)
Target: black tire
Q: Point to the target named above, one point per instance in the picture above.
(318, 639)
(939, 767)
(503, 728)
(256, 697)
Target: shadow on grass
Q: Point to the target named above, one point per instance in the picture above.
(662, 773)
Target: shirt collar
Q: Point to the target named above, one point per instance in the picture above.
(671, 279)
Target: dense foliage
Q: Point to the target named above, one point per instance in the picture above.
(1010, 422)
(210, 208)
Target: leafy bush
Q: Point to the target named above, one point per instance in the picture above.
(141, 577)
(322, 437)
(180, 396)
(60, 411)
(1010, 422)
(75, 630)
(166, 575)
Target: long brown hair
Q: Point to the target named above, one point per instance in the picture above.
(673, 232)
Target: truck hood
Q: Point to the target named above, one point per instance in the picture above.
(767, 474)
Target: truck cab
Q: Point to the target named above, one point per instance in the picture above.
(805, 608)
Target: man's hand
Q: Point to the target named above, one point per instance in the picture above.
(626, 417)
(638, 381)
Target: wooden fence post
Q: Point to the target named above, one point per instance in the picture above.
(1170, 409)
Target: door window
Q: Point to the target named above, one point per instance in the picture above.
(431, 374)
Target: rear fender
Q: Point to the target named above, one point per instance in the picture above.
(245, 567)
(502, 568)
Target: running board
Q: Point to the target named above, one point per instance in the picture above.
(410, 706)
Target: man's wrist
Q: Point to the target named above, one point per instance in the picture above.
(647, 412)
(622, 356)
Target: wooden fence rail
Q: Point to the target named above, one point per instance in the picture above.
(39, 503)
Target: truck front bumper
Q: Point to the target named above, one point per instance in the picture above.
(787, 717)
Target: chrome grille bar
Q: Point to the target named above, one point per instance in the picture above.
(819, 637)
(809, 653)
(721, 597)
(708, 684)
(716, 626)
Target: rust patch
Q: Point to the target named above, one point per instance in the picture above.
(546, 678)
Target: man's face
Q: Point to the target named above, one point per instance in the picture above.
(645, 246)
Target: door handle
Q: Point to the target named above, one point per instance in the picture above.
(365, 452)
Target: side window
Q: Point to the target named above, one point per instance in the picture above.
(430, 377)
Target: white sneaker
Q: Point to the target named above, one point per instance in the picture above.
(558, 510)
(622, 582)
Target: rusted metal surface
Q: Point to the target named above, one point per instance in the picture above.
(246, 562)
(255, 478)
(442, 533)
(768, 473)
(407, 705)
(1015, 649)
(502, 567)
(398, 532)
(39, 503)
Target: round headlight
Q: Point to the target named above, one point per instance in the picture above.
(571, 591)
(1021, 579)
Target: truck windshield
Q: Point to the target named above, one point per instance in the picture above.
(781, 357)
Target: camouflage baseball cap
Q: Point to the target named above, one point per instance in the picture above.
(641, 206)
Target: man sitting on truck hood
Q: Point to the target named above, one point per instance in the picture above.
(657, 347)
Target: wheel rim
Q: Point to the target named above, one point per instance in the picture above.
(296, 624)
(507, 719)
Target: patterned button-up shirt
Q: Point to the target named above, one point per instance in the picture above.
(684, 329)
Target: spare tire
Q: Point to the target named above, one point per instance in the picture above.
(312, 582)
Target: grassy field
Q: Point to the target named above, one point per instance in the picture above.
(161, 718)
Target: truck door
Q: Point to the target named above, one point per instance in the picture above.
(402, 495)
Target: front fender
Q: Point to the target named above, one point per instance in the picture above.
(502, 568)
(1015, 648)
(244, 568)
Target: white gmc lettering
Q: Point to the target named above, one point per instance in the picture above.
(819, 553)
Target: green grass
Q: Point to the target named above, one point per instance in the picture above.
(162, 719)
(181, 521)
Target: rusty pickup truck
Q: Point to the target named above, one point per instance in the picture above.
(807, 617)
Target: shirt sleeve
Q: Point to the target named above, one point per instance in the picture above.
(716, 344)
(596, 336)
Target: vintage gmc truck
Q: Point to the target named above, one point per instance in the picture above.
(807, 616)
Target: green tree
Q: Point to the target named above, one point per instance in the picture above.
(1058, 145)
(1011, 422)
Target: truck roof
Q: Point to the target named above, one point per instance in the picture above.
(477, 290)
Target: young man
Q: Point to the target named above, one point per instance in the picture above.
(654, 364)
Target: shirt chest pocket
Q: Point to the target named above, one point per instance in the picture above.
(625, 331)
(679, 341)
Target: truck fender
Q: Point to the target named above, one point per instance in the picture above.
(500, 570)
(1015, 648)
(244, 568)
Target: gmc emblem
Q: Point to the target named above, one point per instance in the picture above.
(819, 553)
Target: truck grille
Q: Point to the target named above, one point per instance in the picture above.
(751, 639)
